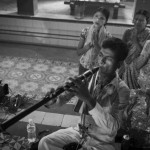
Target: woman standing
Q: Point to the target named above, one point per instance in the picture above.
(91, 39)
(89, 45)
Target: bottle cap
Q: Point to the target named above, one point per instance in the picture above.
(30, 121)
(126, 137)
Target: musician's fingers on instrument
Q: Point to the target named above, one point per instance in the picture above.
(68, 81)
(72, 81)
(48, 104)
(50, 92)
(47, 94)
(72, 89)
(67, 84)
(78, 82)
(85, 81)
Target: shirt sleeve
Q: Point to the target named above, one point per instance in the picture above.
(104, 119)
(103, 116)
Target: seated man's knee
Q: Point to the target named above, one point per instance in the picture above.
(43, 144)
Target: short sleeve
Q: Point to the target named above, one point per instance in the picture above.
(64, 98)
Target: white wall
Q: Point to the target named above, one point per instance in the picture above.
(48, 31)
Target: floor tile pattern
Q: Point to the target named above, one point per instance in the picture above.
(35, 76)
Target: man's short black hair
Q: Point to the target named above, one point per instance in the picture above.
(117, 46)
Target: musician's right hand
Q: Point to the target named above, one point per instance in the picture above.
(51, 103)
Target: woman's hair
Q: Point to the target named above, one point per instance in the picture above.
(117, 46)
(104, 11)
(143, 12)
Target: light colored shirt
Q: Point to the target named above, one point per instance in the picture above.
(106, 117)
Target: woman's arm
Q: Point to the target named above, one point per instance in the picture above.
(82, 49)
(142, 60)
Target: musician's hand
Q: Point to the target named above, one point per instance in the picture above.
(51, 102)
(80, 88)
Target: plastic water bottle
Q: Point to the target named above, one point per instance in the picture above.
(31, 130)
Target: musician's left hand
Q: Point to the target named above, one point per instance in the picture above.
(80, 89)
(52, 102)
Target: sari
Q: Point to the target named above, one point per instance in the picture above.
(135, 60)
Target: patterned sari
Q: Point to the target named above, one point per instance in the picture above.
(129, 71)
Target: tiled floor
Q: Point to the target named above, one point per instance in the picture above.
(44, 118)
